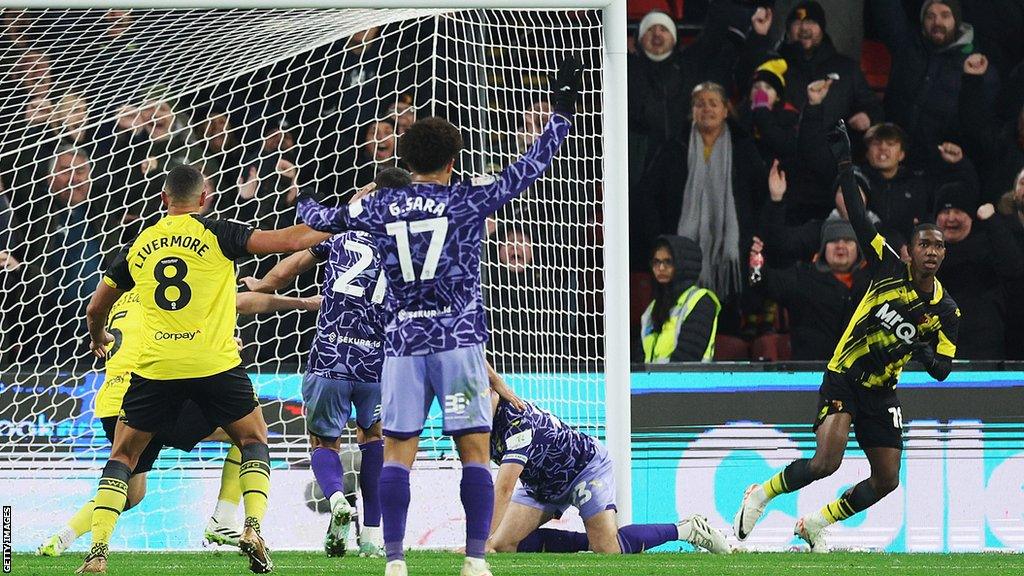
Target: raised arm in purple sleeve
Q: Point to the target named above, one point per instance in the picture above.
(491, 193)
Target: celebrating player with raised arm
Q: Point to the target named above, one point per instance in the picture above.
(182, 268)
(904, 314)
(429, 237)
(125, 323)
(344, 368)
(559, 467)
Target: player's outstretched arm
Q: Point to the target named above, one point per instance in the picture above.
(96, 317)
(867, 235)
(518, 176)
(251, 303)
(290, 239)
(504, 485)
(282, 274)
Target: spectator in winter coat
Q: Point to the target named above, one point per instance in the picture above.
(680, 324)
(980, 255)
(813, 57)
(768, 116)
(705, 186)
(821, 296)
(997, 147)
(927, 66)
(1011, 209)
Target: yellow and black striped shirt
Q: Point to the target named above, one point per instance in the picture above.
(891, 317)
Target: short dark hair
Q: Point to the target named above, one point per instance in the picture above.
(393, 177)
(886, 131)
(927, 227)
(184, 183)
(429, 144)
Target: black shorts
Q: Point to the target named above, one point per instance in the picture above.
(156, 405)
(189, 429)
(877, 415)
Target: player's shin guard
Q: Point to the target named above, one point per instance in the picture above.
(111, 496)
(851, 502)
(328, 471)
(254, 478)
(394, 501)
(794, 477)
(369, 481)
(477, 493)
(557, 541)
(636, 538)
(230, 488)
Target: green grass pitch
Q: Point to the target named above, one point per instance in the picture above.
(438, 564)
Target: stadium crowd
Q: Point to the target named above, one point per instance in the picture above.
(730, 102)
(728, 146)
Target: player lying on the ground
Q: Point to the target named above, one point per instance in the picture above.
(558, 467)
(344, 368)
(429, 240)
(125, 323)
(182, 267)
(904, 314)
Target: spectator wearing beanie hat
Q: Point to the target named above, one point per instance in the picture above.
(768, 116)
(811, 57)
(927, 73)
(820, 296)
(981, 255)
(846, 31)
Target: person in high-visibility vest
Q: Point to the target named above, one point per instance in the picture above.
(680, 324)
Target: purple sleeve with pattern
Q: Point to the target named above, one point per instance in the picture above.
(359, 215)
(492, 193)
(518, 442)
(322, 251)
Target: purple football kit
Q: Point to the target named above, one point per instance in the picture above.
(345, 362)
(347, 353)
(429, 237)
(562, 467)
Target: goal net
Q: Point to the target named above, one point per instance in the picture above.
(97, 105)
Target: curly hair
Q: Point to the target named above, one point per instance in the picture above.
(429, 145)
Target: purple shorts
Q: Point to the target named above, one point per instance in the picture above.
(592, 492)
(329, 404)
(457, 378)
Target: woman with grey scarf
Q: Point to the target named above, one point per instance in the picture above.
(706, 184)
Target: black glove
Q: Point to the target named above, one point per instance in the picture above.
(311, 192)
(566, 86)
(923, 353)
(839, 143)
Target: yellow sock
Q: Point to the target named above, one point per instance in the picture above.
(230, 487)
(254, 477)
(775, 485)
(110, 499)
(81, 522)
(838, 509)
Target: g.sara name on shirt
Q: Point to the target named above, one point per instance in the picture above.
(417, 204)
(178, 241)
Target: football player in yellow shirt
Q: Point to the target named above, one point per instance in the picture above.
(182, 267)
(125, 324)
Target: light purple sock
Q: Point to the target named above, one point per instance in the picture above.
(477, 493)
(636, 538)
(369, 481)
(394, 507)
(328, 471)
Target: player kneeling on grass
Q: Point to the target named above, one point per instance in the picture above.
(560, 467)
(344, 368)
(125, 322)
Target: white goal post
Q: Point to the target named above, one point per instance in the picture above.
(611, 176)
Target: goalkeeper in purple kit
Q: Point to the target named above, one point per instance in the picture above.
(429, 239)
